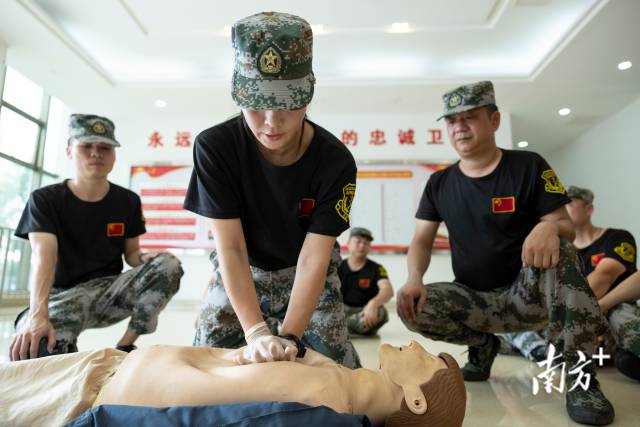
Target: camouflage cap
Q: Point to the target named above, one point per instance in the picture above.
(468, 97)
(583, 194)
(91, 128)
(361, 232)
(273, 53)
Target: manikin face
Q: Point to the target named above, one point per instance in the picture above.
(275, 129)
(359, 246)
(579, 212)
(92, 160)
(409, 364)
(472, 131)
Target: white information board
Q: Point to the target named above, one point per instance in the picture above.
(387, 197)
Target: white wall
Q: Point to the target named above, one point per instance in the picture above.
(396, 265)
(606, 159)
(3, 55)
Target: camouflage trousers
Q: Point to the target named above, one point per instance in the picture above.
(140, 293)
(558, 299)
(624, 327)
(354, 320)
(218, 325)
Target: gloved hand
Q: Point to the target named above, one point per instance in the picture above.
(262, 346)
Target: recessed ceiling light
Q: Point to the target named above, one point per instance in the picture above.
(227, 30)
(564, 111)
(625, 65)
(400, 27)
(160, 103)
(523, 144)
(317, 29)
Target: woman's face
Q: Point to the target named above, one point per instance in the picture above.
(275, 129)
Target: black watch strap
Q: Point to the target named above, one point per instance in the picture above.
(302, 350)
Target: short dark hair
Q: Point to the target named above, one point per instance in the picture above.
(446, 398)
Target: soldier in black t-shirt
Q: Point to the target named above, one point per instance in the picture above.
(608, 257)
(79, 231)
(365, 286)
(277, 189)
(515, 268)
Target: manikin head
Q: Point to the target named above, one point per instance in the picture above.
(433, 387)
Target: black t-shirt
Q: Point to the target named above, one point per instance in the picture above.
(489, 217)
(359, 287)
(277, 205)
(90, 235)
(617, 244)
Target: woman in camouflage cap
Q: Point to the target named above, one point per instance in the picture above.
(277, 190)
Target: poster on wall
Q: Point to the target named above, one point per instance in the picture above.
(162, 190)
(386, 200)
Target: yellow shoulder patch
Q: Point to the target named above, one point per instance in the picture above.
(343, 207)
(383, 272)
(626, 251)
(551, 182)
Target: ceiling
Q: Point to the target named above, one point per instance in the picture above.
(188, 41)
(541, 54)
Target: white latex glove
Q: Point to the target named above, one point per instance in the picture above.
(262, 346)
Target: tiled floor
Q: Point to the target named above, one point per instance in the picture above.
(505, 400)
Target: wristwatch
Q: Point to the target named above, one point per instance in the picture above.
(302, 350)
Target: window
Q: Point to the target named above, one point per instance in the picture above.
(31, 132)
(15, 182)
(18, 135)
(22, 93)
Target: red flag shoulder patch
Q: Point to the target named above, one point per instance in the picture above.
(305, 207)
(503, 204)
(364, 283)
(115, 229)
(596, 258)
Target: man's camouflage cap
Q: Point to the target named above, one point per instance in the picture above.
(362, 232)
(468, 97)
(273, 53)
(583, 194)
(85, 128)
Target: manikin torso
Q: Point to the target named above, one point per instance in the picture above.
(171, 376)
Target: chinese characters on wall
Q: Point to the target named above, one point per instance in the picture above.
(378, 137)
(349, 137)
(182, 139)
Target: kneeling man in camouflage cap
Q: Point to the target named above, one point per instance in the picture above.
(79, 230)
(515, 268)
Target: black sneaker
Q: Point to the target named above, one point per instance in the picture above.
(478, 368)
(506, 348)
(628, 363)
(128, 348)
(538, 354)
(590, 406)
